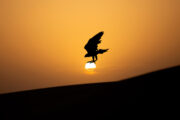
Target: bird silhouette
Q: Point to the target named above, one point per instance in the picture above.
(92, 47)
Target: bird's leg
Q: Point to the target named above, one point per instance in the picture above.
(93, 59)
(96, 57)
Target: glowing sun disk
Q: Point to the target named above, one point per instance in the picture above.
(90, 65)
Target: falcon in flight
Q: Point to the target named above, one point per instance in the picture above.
(92, 47)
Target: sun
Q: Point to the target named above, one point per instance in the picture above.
(90, 65)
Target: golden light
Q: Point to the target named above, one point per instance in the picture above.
(90, 65)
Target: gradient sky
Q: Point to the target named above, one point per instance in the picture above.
(42, 41)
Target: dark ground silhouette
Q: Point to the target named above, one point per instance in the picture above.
(92, 47)
(155, 91)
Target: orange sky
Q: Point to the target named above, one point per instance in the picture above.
(42, 41)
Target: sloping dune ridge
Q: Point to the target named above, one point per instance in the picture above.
(151, 89)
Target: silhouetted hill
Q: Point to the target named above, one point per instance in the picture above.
(157, 89)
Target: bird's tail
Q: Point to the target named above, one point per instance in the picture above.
(101, 51)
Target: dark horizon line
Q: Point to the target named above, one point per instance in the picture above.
(98, 83)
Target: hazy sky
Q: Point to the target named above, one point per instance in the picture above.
(42, 41)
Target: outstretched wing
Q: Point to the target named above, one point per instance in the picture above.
(93, 42)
